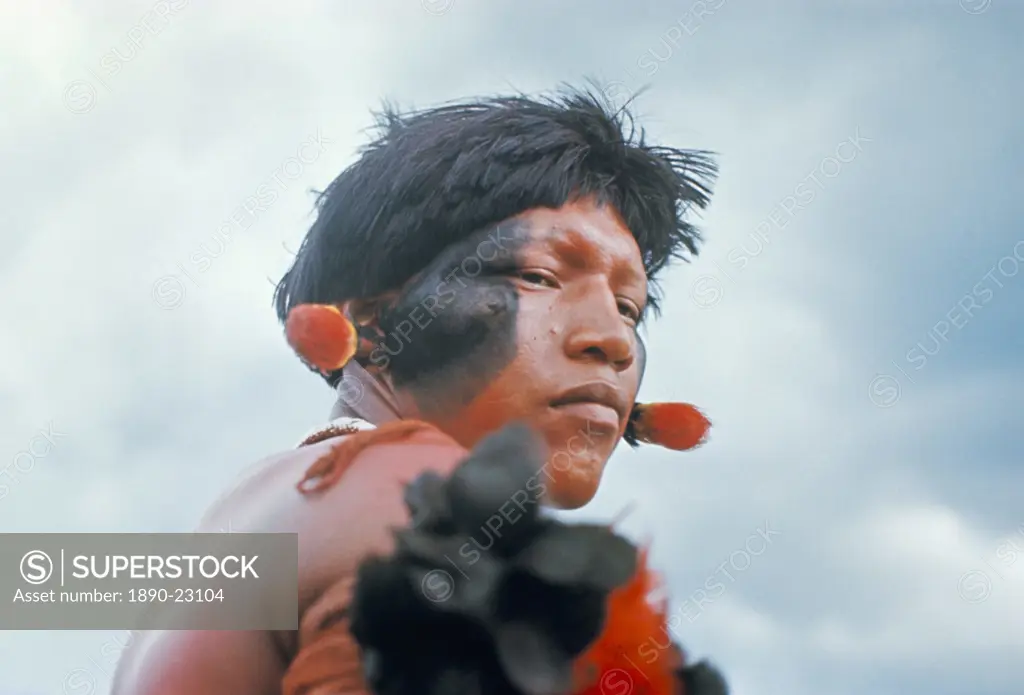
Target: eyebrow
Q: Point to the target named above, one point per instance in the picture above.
(577, 251)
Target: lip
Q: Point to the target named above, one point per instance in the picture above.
(594, 397)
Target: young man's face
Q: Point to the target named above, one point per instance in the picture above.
(532, 321)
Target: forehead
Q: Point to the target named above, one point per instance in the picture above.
(587, 235)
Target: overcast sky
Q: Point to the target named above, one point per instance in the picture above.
(853, 325)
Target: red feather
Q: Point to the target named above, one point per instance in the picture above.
(321, 335)
(678, 426)
(635, 654)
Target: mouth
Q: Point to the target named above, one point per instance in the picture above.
(597, 400)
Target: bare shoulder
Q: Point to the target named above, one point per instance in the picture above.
(352, 517)
(267, 498)
(342, 523)
(337, 526)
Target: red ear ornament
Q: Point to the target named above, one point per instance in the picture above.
(321, 336)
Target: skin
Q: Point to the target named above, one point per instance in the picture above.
(554, 305)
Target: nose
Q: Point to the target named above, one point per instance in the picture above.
(598, 331)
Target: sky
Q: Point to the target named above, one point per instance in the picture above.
(852, 325)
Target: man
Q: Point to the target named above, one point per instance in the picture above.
(497, 258)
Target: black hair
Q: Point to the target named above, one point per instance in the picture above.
(433, 177)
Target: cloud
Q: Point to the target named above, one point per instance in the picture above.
(892, 522)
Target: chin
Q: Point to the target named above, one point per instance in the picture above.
(574, 486)
(576, 458)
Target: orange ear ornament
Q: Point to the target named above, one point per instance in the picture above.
(676, 426)
(322, 336)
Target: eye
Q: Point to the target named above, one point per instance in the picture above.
(629, 310)
(535, 276)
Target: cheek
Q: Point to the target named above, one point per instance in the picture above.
(466, 337)
(539, 326)
(506, 382)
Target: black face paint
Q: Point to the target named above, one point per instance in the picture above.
(453, 329)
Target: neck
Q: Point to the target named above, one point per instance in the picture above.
(364, 396)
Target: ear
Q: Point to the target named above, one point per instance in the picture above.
(365, 315)
(365, 312)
